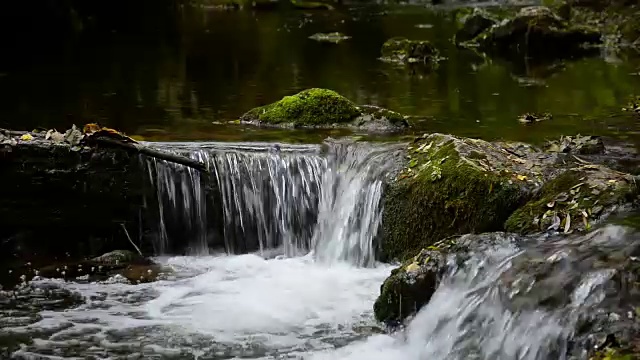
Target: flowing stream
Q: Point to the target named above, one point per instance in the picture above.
(297, 278)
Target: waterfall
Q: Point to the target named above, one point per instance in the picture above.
(521, 299)
(259, 197)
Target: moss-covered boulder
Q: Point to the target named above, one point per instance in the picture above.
(452, 186)
(575, 201)
(537, 32)
(321, 108)
(402, 50)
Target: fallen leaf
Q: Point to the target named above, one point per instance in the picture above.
(551, 204)
(567, 223)
(521, 177)
(26, 137)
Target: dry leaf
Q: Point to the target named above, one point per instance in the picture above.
(26, 137)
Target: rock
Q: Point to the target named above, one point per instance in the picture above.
(537, 32)
(590, 280)
(530, 118)
(84, 194)
(118, 257)
(321, 108)
(402, 50)
(454, 185)
(575, 201)
(334, 37)
(410, 286)
(474, 24)
(582, 145)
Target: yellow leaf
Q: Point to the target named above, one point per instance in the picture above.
(521, 177)
(412, 267)
(26, 137)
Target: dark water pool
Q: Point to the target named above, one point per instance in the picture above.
(181, 85)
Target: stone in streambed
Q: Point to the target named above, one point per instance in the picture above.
(322, 108)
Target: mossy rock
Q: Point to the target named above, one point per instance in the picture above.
(575, 201)
(410, 286)
(403, 50)
(537, 32)
(321, 108)
(453, 186)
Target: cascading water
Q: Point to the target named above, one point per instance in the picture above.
(298, 198)
(511, 298)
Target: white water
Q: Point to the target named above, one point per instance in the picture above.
(219, 307)
(245, 306)
(297, 198)
(312, 307)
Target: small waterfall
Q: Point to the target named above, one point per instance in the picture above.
(295, 198)
(181, 200)
(350, 209)
(524, 299)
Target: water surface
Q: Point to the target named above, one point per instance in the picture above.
(186, 84)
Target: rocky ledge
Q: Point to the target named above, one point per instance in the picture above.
(451, 186)
(321, 108)
(67, 197)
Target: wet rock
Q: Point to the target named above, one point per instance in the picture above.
(118, 257)
(530, 118)
(537, 32)
(402, 50)
(410, 286)
(583, 145)
(334, 37)
(575, 201)
(474, 24)
(321, 108)
(590, 280)
(454, 185)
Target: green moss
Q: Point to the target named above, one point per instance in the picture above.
(309, 107)
(613, 354)
(573, 200)
(441, 194)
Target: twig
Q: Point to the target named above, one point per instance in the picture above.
(153, 153)
(131, 241)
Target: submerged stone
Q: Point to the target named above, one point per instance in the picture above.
(454, 185)
(402, 50)
(324, 108)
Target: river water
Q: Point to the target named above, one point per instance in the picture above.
(306, 288)
(185, 78)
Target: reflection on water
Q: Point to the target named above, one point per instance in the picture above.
(223, 63)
